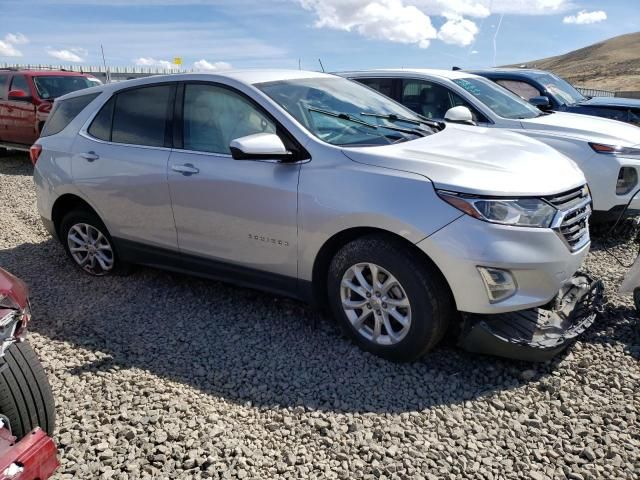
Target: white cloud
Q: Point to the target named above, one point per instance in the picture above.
(203, 65)
(484, 8)
(8, 50)
(379, 19)
(71, 55)
(16, 38)
(458, 31)
(152, 62)
(585, 18)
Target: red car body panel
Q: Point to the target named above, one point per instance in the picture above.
(21, 121)
(35, 453)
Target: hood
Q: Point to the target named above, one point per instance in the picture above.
(587, 128)
(478, 160)
(611, 101)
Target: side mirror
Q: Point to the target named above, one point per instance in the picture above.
(19, 95)
(541, 102)
(259, 146)
(460, 114)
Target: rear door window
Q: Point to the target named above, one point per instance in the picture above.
(141, 116)
(522, 89)
(64, 112)
(101, 126)
(382, 85)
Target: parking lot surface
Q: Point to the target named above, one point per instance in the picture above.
(159, 375)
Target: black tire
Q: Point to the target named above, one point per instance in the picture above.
(431, 301)
(25, 393)
(83, 216)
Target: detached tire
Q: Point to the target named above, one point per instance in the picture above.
(391, 301)
(25, 393)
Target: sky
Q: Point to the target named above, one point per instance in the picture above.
(344, 34)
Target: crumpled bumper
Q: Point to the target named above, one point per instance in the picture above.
(536, 334)
(32, 458)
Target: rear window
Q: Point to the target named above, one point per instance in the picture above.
(64, 112)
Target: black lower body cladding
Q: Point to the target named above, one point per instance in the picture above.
(537, 334)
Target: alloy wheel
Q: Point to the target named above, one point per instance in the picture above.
(90, 249)
(375, 303)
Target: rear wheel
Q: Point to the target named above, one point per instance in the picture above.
(89, 245)
(391, 301)
(25, 393)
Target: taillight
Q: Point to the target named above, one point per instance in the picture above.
(34, 152)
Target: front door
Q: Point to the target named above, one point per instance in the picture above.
(237, 212)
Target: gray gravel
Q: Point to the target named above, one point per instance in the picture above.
(160, 375)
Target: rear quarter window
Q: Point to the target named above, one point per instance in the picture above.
(64, 112)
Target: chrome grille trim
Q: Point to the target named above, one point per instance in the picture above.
(571, 223)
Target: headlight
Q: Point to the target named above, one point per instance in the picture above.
(615, 150)
(522, 212)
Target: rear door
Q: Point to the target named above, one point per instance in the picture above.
(120, 165)
(21, 114)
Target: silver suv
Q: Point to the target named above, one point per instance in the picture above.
(316, 187)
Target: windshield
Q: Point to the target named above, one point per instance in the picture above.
(561, 89)
(54, 86)
(500, 100)
(345, 113)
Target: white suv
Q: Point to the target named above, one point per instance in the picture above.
(317, 187)
(607, 151)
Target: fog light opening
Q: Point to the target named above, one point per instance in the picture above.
(627, 180)
(499, 283)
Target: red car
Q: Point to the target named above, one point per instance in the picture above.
(26, 98)
(27, 412)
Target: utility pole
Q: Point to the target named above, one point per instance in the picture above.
(104, 62)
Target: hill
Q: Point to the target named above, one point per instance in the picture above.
(613, 64)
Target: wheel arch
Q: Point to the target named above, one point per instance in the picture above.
(66, 203)
(339, 240)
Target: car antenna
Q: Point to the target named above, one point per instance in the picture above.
(321, 66)
(299, 64)
(455, 69)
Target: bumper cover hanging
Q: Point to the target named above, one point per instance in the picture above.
(536, 334)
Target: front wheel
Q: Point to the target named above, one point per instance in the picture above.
(25, 393)
(390, 300)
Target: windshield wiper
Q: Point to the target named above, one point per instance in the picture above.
(343, 116)
(397, 118)
(351, 118)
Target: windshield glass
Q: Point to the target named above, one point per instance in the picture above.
(561, 89)
(345, 113)
(54, 86)
(500, 100)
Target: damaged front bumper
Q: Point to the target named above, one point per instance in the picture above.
(536, 334)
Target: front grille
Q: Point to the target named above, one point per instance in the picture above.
(572, 220)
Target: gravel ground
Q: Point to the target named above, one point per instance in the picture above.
(159, 375)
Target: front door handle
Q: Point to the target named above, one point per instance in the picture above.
(186, 169)
(90, 156)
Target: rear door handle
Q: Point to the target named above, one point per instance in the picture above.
(90, 156)
(186, 169)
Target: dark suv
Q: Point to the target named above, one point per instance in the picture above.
(547, 91)
(26, 97)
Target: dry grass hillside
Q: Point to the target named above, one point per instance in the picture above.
(612, 65)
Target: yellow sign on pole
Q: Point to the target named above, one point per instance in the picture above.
(177, 60)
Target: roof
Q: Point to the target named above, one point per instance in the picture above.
(249, 77)
(446, 74)
(482, 71)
